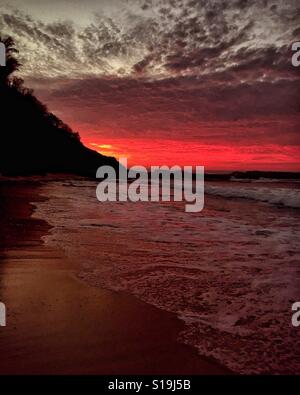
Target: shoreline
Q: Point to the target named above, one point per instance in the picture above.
(58, 324)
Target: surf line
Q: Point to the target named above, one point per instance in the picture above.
(160, 183)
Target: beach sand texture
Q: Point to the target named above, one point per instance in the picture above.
(57, 324)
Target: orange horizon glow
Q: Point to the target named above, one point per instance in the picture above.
(218, 157)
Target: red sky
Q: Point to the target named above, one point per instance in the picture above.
(176, 82)
(186, 121)
(215, 157)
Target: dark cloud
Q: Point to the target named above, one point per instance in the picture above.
(187, 108)
(206, 71)
(157, 38)
(296, 33)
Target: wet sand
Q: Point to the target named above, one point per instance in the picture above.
(57, 324)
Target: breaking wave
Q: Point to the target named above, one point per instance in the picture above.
(287, 197)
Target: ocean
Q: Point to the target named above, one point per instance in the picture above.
(230, 272)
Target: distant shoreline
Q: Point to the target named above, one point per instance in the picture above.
(209, 176)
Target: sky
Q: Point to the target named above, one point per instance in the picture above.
(163, 82)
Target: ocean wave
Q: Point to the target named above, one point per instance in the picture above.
(278, 196)
(229, 272)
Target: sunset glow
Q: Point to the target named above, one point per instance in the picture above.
(213, 157)
(150, 191)
(184, 82)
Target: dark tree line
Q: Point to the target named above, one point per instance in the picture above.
(32, 139)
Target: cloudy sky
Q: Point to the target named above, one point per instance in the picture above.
(167, 81)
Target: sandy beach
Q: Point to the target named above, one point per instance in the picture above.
(57, 324)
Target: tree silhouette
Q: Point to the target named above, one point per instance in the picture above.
(32, 139)
(12, 63)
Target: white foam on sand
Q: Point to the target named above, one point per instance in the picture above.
(231, 272)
